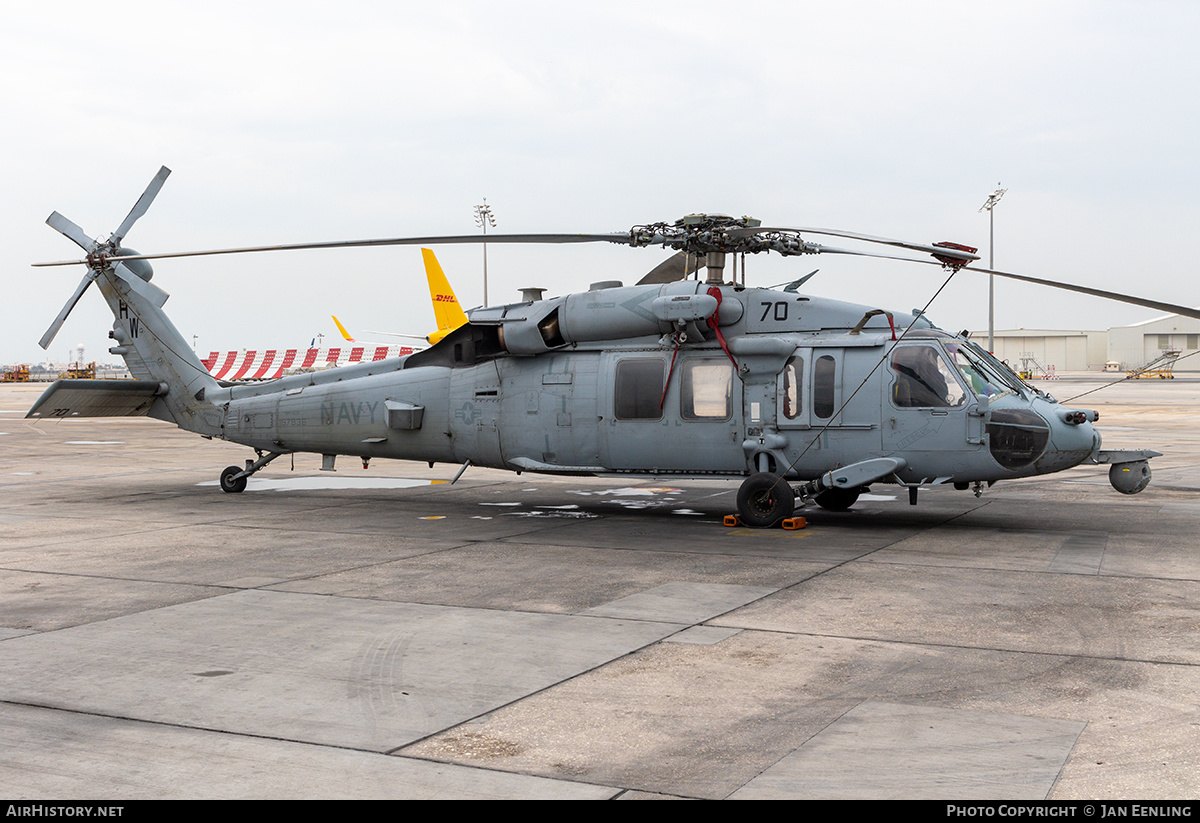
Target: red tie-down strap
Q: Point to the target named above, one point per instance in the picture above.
(714, 324)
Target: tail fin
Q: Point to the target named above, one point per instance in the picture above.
(169, 382)
(446, 310)
(342, 329)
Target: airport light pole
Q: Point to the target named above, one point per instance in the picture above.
(484, 218)
(989, 206)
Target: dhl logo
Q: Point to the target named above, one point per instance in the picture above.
(444, 298)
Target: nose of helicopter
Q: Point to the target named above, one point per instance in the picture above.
(1073, 438)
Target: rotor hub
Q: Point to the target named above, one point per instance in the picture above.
(704, 233)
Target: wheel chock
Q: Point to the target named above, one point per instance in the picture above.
(789, 524)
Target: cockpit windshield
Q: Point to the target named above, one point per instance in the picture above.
(985, 378)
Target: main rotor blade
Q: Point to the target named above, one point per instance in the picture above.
(1145, 302)
(675, 267)
(620, 237)
(69, 229)
(943, 251)
(1170, 308)
(51, 332)
(877, 255)
(140, 207)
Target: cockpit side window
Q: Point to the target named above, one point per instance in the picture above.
(923, 379)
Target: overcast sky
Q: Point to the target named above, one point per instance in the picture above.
(303, 121)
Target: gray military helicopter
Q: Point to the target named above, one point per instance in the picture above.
(804, 398)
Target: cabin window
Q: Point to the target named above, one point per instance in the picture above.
(823, 387)
(793, 376)
(705, 390)
(924, 379)
(639, 388)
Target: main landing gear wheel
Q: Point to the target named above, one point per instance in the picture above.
(765, 500)
(230, 482)
(837, 500)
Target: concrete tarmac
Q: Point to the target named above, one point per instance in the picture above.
(372, 634)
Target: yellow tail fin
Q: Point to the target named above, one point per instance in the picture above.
(342, 329)
(446, 310)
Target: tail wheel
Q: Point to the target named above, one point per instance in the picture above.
(230, 482)
(837, 500)
(764, 500)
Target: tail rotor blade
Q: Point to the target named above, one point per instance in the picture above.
(73, 232)
(51, 332)
(140, 207)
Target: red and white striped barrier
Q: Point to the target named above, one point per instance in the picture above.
(273, 363)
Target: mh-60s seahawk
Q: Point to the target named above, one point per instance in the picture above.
(803, 397)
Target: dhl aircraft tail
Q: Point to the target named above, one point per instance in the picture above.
(446, 310)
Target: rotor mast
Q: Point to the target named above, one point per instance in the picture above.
(714, 261)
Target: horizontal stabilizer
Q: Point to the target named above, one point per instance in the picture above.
(97, 398)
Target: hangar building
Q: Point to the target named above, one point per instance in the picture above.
(1141, 342)
(1064, 350)
(1130, 346)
